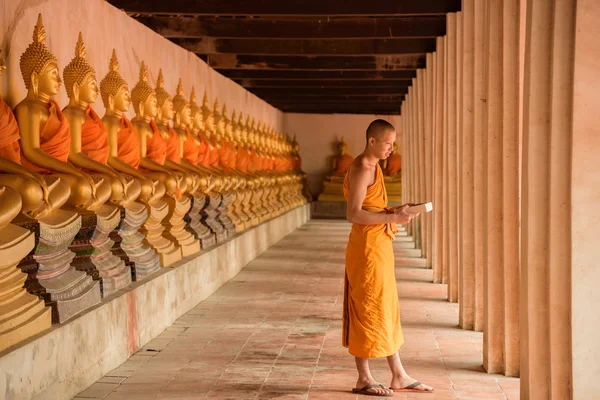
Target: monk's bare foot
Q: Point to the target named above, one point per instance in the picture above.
(361, 383)
(408, 383)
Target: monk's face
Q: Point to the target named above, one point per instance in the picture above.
(122, 99)
(88, 91)
(383, 145)
(49, 80)
(151, 106)
(168, 112)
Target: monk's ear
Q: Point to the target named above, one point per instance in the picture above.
(35, 81)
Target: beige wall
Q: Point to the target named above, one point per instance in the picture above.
(104, 27)
(317, 135)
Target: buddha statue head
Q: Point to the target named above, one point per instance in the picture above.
(219, 122)
(342, 147)
(244, 133)
(183, 114)
(196, 116)
(209, 118)
(143, 96)
(227, 125)
(39, 66)
(113, 88)
(80, 77)
(164, 101)
(237, 128)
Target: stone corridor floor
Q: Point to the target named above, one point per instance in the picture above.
(274, 332)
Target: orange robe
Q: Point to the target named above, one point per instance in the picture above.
(223, 153)
(9, 134)
(231, 162)
(242, 160)
(94, 139)
(156, 147)
(173, 147)
(55, 139)
(203, 150)
(343, 163)
(213, 154)
(128, 144)
(190, 148)
(371, 318)
(393, 164)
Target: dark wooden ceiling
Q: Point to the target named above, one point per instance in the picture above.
(313, 56)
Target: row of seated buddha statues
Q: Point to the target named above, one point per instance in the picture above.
(333, 184)
(90, 204)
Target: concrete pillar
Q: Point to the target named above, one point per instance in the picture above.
(441, 121)
(422, 87)
(466, 161)
(412, 178)
(561, 188)
(438, 164)
(428, 152)
(459, 124)
(501, 246)
(452, 160)
(479, 152)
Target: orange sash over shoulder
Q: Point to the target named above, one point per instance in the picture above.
(371, 315)
(174, 147)
(128, 144)
(156, 147)
(94, 139)
(55, 139)
(190, 148)
(9, 134)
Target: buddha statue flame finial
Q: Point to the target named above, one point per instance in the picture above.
(142, 90)
(78, 70)
(179, 102)
(161, 93)
(37, 56)
(113, 81)
(193, 105)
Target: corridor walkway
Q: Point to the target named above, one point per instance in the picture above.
(273, 332)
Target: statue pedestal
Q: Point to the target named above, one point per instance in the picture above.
(226, 201)
(176, 226)
(233, 213)
(194, 220)
(247, 208)
(50, 273)
(22, 315)
(211, 217)
(333, 190)
(145, 261)
(393, 188)
(153, 229)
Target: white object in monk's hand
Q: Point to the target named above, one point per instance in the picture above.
(420, 208)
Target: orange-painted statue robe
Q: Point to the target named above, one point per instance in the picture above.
(371, 319)
(94, 139)
(174, 147)
(55, 139)
(343, 163)
(156, 146)
(190, 148)
(9, 134)
(393, 164)
(128, 144)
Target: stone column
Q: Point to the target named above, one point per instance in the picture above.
(409, 181)
(421, 90)
(428, 152)
(501, 246)
(439, 157)
(560, 215)
(466, 162)
(452, 159)
(416, 138)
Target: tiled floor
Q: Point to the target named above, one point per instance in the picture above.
(273, 332)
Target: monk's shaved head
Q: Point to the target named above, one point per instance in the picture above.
(378, 128)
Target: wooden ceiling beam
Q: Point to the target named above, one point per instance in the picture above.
(368, 63)
(300, 75)
(299, 28)
(360, 91)
(290, 8)
(284, 83)
(291, 47)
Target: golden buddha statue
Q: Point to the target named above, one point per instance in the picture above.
(45, 131)
(41, 195)
(89, 139)
(333, 183)
(392, 167)
(123, 141)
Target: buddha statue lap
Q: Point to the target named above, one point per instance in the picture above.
(153, 153)
(333, 183)
(45, 145)
(124, 157)
(392, 167)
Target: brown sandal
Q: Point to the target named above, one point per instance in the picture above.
(365, 390)
(411, 388)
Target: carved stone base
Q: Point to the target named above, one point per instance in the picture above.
(145, 260)
(194, 221)
(227, 199)
(211, 217)
(231, 211)
(153, 231)
(176, 226)
(22, 315)
(50, 273)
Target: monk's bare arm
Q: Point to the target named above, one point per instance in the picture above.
(359, 179)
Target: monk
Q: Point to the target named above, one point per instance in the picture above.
(371, 319)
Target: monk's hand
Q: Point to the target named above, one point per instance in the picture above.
(402, 216)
